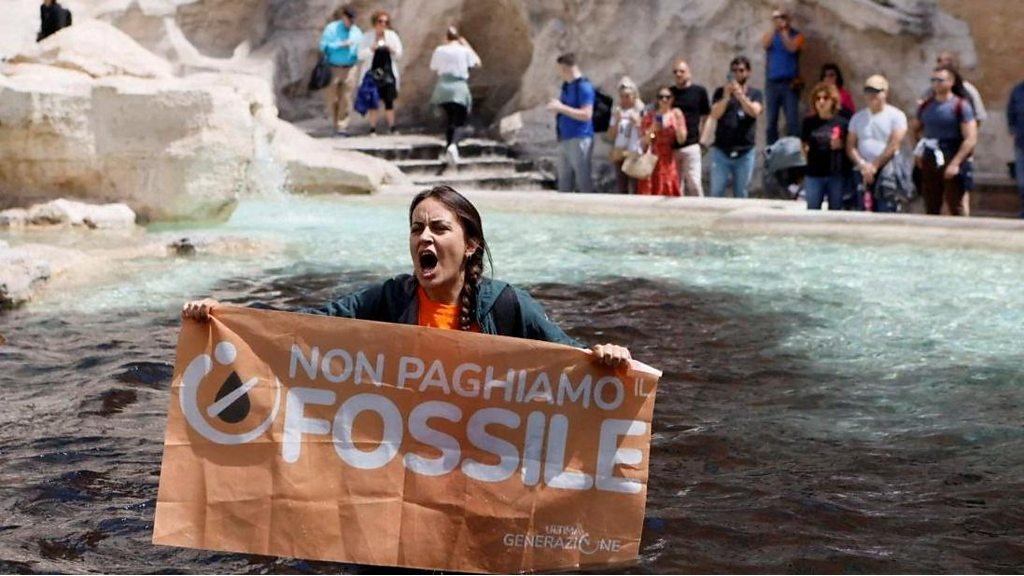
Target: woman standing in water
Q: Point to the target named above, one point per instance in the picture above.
(382, 48)
(447, 289)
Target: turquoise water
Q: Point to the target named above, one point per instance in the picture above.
(869, 305)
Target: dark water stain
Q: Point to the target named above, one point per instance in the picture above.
(762, 459)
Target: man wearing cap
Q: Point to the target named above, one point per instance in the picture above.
(782, 46)
(875, 135)
(340, 44)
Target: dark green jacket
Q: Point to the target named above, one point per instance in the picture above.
(395, 301)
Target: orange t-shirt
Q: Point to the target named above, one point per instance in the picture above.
(437, 315)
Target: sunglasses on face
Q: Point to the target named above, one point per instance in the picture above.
(822, 98)
(936, 80)
(664, 96)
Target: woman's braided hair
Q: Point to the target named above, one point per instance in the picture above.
(473, 228)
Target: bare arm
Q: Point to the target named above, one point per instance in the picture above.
(680, 125)
(895, 139)
(582, 114)
(766, 40)
(753, 109)
(792, 43)
(718, 108)
(969, 131)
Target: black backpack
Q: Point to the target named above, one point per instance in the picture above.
(602, 116)
(64, 18)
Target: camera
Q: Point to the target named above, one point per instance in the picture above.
(729, 77)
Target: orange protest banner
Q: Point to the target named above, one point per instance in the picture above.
(354, 441)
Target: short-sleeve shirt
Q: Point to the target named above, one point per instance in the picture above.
(942, 120)
(576, 94)
(736, 130)
(693, 101)
(453, 59)
(817, 133)
(874, 130)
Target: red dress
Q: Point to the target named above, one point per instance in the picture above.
(664, 181)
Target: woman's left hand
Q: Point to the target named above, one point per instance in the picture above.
(611, 355)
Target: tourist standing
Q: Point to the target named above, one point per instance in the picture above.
(782, 46)
(663, 127)
(1015, 121)
(625, 133)
(452, 61)
(823, 134)
(339, 44)
(380, 50)
(873, 146)
(735, 108)
(946, 134)
(831, 74)
(574, 109)
(692, 100)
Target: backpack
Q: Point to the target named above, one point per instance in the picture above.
(64, 19)
(602, 116)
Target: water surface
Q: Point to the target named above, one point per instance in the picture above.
(826, 407)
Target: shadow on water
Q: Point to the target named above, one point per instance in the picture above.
(763, 460)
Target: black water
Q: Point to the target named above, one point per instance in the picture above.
(744, 476)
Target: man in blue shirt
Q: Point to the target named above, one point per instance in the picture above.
(340, 44)
(574, 110)
(782, 47)
(1015, 121)
(946, 133)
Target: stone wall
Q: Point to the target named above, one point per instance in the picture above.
(519, 39)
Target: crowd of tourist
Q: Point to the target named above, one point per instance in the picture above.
(850, 158)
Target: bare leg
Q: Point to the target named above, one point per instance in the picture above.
(373, 119)
(390, 116)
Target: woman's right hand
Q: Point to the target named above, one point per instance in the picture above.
(198, 310)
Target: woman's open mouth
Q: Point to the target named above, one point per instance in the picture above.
(428, 262)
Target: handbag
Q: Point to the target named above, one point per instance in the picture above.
(640, 166)
(321, 76)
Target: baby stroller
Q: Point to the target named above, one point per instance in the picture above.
(784, 169)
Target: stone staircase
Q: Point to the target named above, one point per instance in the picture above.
(484, 164)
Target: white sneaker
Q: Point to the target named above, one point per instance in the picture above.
(451, 154)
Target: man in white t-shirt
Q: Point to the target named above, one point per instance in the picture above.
(876, 133)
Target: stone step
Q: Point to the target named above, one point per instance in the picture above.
(417, 147)
(486, 181)
(418, 167)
